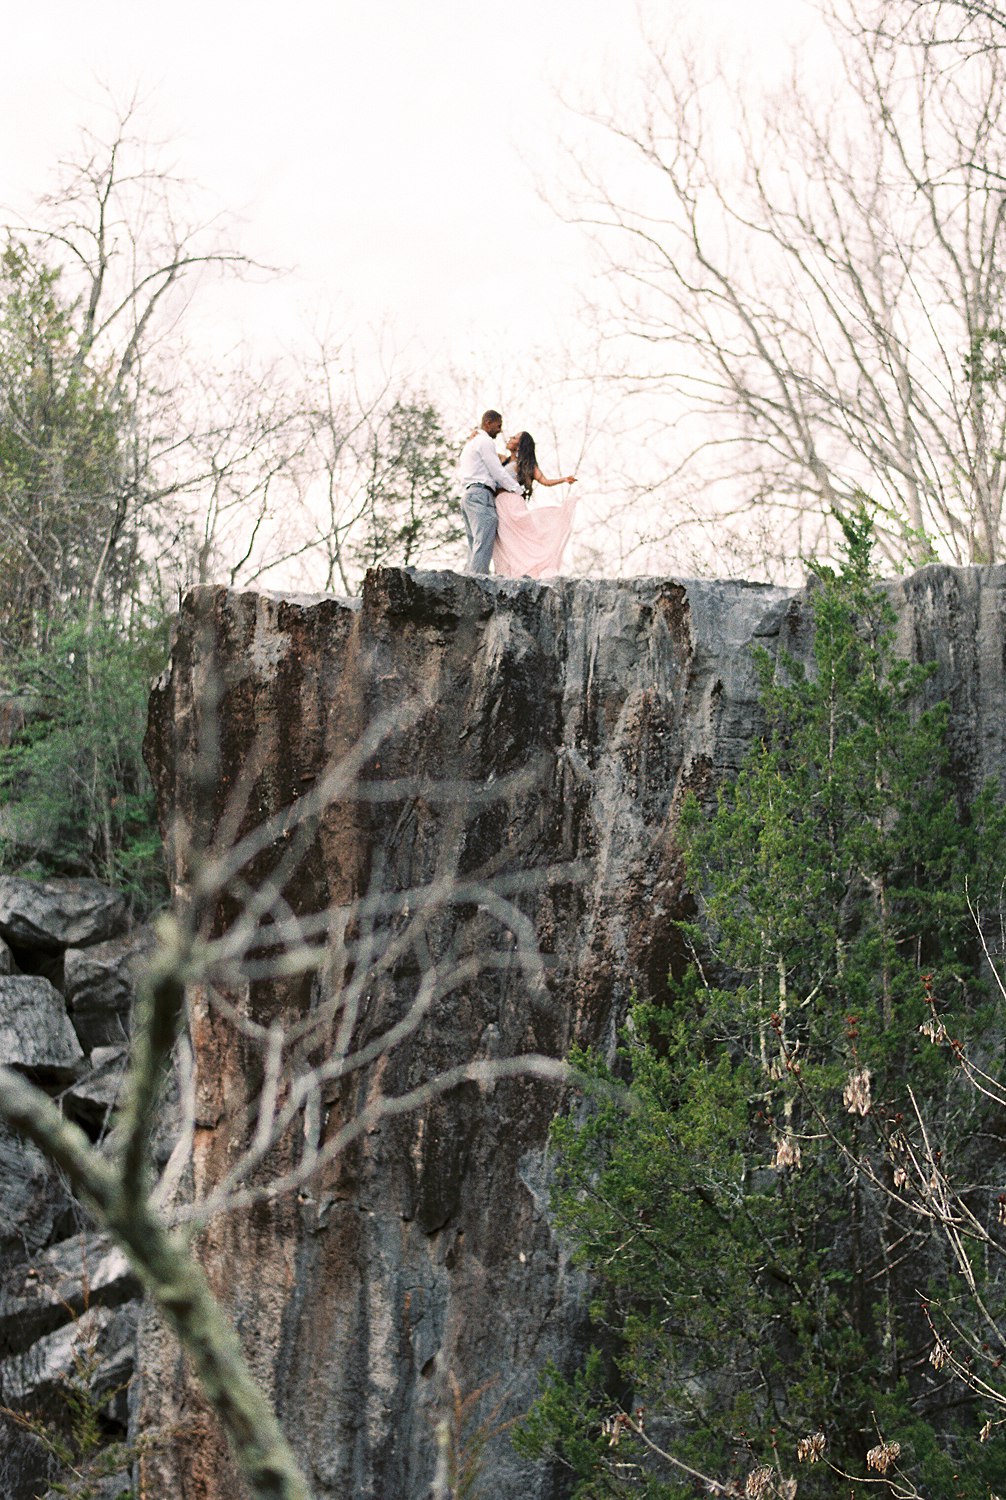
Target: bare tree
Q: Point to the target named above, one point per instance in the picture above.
(343, 411)
(247, 465)
(977, 24)
(137, 463)
(118, 241)
(817, 300)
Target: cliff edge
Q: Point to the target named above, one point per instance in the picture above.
(421, 1268)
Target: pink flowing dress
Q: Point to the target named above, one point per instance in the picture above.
(530, 543)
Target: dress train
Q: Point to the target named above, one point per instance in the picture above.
(530, 543)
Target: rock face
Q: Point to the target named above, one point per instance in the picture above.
(423, 1260)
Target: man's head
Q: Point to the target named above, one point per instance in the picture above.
(492, 423)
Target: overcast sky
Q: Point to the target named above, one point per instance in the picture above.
(399, 158)
(386, 150)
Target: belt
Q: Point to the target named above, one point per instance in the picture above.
(478, 484)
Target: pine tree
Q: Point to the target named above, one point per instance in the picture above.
(758, 1274)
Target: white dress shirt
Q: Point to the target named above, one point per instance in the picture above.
(479, 464)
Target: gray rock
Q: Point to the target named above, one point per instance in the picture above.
(104, 1337)
(169, 1124)
(96, 1094)
(58, 1285)
(118, 1351)
(32, 1376)
(7, 964)
(99, 984)
(35, 1031)
(25, 1466)
(58, 913)
(33, 1200)
(118, 1486)
(426, 1253)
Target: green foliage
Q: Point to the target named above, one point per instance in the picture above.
(76, 650)
(66, 491)
(836, 864)
(568, 1420)
(76, 794)
(412, 510)
(758, 1273)
(985, 361)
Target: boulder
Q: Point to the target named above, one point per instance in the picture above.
(118, 1353)
(104, 1335)
(34, 1204)
(58, 913)
(93, 1096)
(35, 1031)
(99, 983)
(25, 1466)
(56, 1287)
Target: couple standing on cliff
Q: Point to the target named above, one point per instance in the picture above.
(494, 493)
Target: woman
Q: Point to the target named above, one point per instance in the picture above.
(530, 542)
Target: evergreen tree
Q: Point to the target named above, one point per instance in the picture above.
(69, 498)
(411, 510)
(759, 1271)
(79, 643)
(75, 796)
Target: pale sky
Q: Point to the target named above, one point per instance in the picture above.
(386, 150)
(392, 155)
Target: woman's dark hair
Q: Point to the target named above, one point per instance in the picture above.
(526, 462)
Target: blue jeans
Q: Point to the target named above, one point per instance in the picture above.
(478, 506)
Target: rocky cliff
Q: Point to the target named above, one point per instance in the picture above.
(69, 1303)
(421, 1270)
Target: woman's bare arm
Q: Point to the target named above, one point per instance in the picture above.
(539, 478)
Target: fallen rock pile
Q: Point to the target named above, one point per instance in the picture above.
(69, 1303)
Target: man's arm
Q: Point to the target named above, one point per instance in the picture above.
(500, 477)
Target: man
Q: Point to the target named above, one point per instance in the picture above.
(482, 475)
